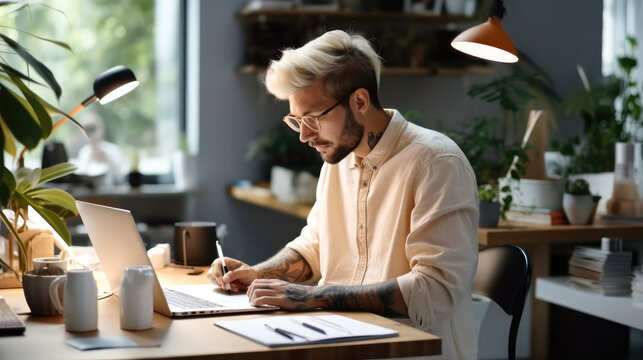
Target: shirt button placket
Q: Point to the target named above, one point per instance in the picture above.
(361, 231)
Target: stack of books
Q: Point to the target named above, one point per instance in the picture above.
(534, 215)
(637, 285)
(601, 271)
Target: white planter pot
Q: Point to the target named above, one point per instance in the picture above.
(599, 184)
(291, 187)
(577, 208)
(534, 193)
(185, 170)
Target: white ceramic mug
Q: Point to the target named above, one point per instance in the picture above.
(52, 263)
(80, 297)
(137, 297)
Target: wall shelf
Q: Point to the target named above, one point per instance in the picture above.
(620, 309)
(437, 70)
(260, 195)
(374, 15)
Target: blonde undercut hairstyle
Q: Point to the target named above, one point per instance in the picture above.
(343, 62)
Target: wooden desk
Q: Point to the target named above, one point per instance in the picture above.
(196, 337)
(536, 241)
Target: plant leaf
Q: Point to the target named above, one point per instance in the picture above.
(40, 68)
(36, 104)
(7, 185)
(55, 171)
(55, 221)
(21, 247)
(53, 198)
(19, 119)
(8, 143)
(20, 75)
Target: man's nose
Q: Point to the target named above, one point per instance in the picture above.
(306, 134)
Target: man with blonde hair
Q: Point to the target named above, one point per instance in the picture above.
(394, 227)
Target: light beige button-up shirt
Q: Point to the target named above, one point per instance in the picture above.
(408, 210)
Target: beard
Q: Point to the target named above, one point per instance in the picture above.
(351, 136)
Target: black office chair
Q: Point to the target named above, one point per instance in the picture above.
(504, 276)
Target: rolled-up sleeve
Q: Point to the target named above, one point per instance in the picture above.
(442, 245)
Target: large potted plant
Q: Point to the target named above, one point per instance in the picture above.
(493, 145)
(26, 120)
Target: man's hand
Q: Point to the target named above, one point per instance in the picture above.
(383, 298)
(239, 276)
(285, 295)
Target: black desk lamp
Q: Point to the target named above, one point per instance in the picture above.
(108, 86)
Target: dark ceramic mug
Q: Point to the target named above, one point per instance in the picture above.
(194, 243)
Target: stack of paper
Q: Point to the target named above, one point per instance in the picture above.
(637, 285)
(297, 330)
(605, 272)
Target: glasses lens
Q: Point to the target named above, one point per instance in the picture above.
(292, 122)
(311, 122)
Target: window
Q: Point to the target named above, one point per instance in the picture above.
(144, 35)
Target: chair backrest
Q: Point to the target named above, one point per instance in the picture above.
(504, 276)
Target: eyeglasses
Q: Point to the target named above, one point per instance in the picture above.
(309, 120)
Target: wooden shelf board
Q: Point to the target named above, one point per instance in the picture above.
(375, 15)
(477, 69)
(252, 196)
(528, 234)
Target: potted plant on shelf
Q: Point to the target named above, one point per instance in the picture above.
(26, 119)
(611, 113)
(489, 206)
(493, 145)
(293, 165)
(577, 202)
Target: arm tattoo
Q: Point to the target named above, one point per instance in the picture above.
(373, 139)
(287, 265)
(384, 298)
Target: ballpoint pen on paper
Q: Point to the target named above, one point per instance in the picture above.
(330, 324)
(286, 333)
(223, 265)
(310, 326)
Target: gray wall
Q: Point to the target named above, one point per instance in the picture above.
(234, 108)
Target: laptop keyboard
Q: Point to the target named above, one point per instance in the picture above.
(186, 301)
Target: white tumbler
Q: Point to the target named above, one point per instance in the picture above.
(137, 298)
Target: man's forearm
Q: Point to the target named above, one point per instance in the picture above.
(383, 298)
(287, 265)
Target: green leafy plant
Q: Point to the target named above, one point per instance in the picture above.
(487, 194)
(25, 120)
(577, 187)
(491, 144)
(610, 111)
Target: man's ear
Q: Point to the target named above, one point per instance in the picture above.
(361, 100)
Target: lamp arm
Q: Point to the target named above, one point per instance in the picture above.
(73, 112)
(82, 105)
(497, 9)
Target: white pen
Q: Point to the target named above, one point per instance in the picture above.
(223, 265)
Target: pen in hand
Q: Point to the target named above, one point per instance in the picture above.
(223, 265)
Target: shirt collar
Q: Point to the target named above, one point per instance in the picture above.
(385, 145)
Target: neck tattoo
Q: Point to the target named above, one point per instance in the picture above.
(373, 139)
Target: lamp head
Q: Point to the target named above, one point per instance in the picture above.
(114, 83)
(488, 40)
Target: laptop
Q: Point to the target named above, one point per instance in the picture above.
(118, 244)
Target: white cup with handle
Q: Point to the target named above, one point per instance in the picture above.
(80, 307)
